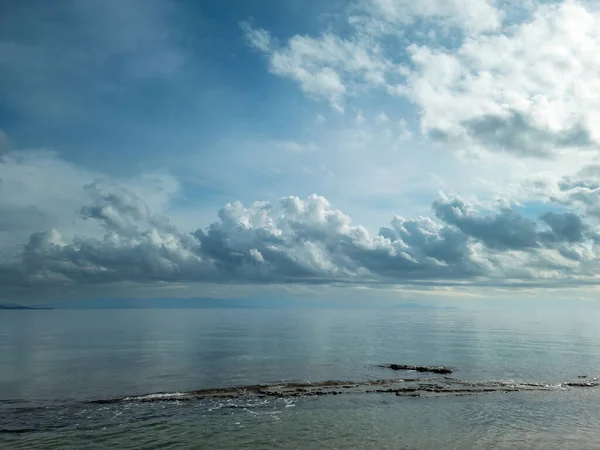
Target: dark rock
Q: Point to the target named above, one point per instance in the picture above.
(582, 384)
(405, 390)
(410, 394)
(431, 369)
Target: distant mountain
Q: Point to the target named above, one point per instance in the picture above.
(211, 303)
(21, 307)
(131, 303)
(177, 303)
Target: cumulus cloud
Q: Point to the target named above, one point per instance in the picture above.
(531, 90)
(303, 241)
(137, 245)
(565, 226)
(508, 230)
(39, 190)
(505, 230)
(326, 67)
(526, 87)
(581, 191)
(331, 67)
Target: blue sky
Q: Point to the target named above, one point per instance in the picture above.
(294, 148)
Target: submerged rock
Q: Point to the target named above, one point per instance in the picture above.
(430, 369)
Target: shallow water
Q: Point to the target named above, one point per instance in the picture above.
(55, 362)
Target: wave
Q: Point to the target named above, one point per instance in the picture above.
(157, 396)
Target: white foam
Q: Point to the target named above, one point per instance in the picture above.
(158, 396)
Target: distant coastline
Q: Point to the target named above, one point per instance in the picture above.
(210, 303)
(21, 307)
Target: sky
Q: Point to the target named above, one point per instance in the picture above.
(354, 149)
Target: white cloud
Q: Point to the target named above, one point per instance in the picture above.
(531, 90)
(527, 88)
(581, 191)
(40, 191)
(473, 16)
(485, 88)
(326, 67)
(258, 38)
(305, 241)
(37, 191)
(332, 67)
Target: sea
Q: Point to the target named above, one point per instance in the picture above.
(522, 378)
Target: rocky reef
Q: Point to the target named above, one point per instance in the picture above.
(409, 387)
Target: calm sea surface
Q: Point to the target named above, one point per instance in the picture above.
(54, 363)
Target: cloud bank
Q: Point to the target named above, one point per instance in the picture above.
(309, 241)
(403, 92)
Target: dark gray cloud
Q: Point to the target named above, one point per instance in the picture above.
(436, 244)
(581, 191)
(137, 246)
(516, 133)
(564, 232)
(502, 231)
(565, 227)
